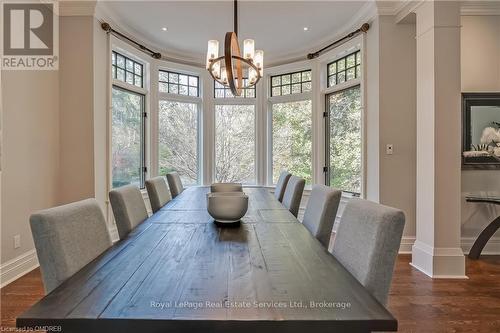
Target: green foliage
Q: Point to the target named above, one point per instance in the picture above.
(292, 139)
(345, 139)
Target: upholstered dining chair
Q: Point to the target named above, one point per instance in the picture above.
(158, 192)
(174, 183)
(321, 211)
(67, 238)
(128, 207)
(226, 187)
(367, 243)
(293, 194)
(279, 190)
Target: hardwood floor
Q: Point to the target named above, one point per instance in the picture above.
(419, 303)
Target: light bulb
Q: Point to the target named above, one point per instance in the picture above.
(223, 75)
(212, 51)
(248, 48)
(216, 69)
(259, 61)
(252, 75)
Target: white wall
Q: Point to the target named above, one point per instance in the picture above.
(30, 153)
(480, 38)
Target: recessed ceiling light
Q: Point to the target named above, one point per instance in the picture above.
(306, 28)
(164, 29)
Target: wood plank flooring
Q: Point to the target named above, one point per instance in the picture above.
(419, 303)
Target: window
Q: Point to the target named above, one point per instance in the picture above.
(127, 139)
(126, 70)
(178, 140)
(344, 69)
(344, 140)
(292, 139)
(291, 83)
(221, 91)
(179, 84)
(235, 143)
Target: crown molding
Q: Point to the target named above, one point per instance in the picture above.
(480, 8)
(77, 7)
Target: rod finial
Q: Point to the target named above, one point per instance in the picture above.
(365, 27)
(312, 55)
(106, 27)
(156, 55)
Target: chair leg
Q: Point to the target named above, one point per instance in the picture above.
(483, 238)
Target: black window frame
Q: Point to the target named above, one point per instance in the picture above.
(143, 167)
(115, 67)
(327, 167)
(291, 83)
(357, 65)
(226, 91)
(178, 84)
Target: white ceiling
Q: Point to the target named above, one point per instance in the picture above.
(276, 26)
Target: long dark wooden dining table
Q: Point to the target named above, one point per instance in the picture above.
(179, 272)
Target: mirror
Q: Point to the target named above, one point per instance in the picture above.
(481, 131)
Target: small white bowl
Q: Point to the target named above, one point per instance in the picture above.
(227, 207)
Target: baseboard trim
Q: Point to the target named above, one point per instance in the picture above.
(438, 262)
(491, 248)
(17, 267)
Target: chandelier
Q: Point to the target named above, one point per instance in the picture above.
(232, 69)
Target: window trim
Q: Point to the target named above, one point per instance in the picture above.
(281, 85)
(355, 53)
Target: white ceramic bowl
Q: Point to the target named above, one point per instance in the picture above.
(227, 207)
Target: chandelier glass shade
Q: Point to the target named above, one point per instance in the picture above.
(233, 69)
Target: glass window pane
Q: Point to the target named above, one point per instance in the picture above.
(296, 77)
(250, 93)
(126, 138)
(120, 74)
(332, 68)
(113, 58)
(120, 61)
(358, 58)
(163, 76)
(351, 61)
(292, 139)
(173, 78)
(138, 69)
(138, 81)
(276, 91)
(183, 79)
(285, 79)
(193, 91)
(219, 93)
(173, 88)
(163, 87)
(113, 72)
(341, 77)
(285, 90)
(341, 64)
(193, 81)
(178, 140)
(332, 80)
(296, 88)
(276, 80)
(129, 77)
(351, 73)
(345, 139)
(306, 87)
(130, 65)
(358, 71)
(183, 90)
(306, 76)
(235, 143)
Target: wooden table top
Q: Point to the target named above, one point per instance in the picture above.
(178, 272)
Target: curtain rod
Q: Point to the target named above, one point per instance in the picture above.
(106, 27)
(363, 28)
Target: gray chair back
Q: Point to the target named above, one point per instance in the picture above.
(367, 243)
(279, 191)
(174, 183)
(67, 238)
(158, 192)
(321, 211)
(226, 187)
(128, 207)
(293, 194)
